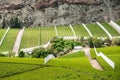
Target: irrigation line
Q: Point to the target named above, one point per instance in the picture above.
(56, 31)
(100, 25)
(87, 30)
(73, 31)
(4, 36)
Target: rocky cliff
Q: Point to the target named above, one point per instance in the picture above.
(59, 12)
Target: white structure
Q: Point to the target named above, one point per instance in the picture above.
(109, 61)
(78, 47)
(56, 31)
(4, 36)
(110, 36)
(87, 30)
(75, 37)
(18, 41)
(49, 57)
(115, 26)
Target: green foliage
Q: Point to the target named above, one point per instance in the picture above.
(15, 22)
(59, 45)
(90, 42)
(2, 55)
(3, 23)
(107, 41)
(40, 53)
(98, 43)
(21, 54)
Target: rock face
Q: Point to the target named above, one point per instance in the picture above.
(59, 12)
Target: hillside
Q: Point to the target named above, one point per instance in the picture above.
(59, 12)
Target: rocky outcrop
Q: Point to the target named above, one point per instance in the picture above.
(53, 3)
(59, 12)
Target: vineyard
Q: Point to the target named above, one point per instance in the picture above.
(80, 31)
(8, 43)
(72, 66)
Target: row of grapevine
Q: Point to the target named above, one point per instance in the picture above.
(8, 42)
(64, 31)
(46, 34)
(80, 31)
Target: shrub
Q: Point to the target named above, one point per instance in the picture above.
(98, 43)
(3, 23)
(40, 53)
(2, 55)
(15, 22)
(107, 41)
(90, 42)
(21, 54)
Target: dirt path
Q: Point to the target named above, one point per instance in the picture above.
(95, 64)
(18, 41)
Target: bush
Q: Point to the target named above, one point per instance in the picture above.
(2, 55)
(3, 23)
(107, 41)
(98, 43)
(21, 54)
(15, 22)
(40, 53)
(90, 42)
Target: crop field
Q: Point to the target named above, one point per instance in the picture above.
(30, 38)
(80, 31)
(64, 31)
(73, 66)
(46, 34)
(96, 30)
(2, 31)
(9, 40)
(111, 30)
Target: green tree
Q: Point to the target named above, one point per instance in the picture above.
(3, 23)
(21, 54)
(15, 22)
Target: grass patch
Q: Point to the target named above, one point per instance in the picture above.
(74, 55)
(2, 32)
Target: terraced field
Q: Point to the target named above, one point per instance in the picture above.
(111, 30)
(2, 31)
(80, 31)
(9, 40)
(70, 67)
(96, 30)
(30, 38)
(46, 34)
(64, 31)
